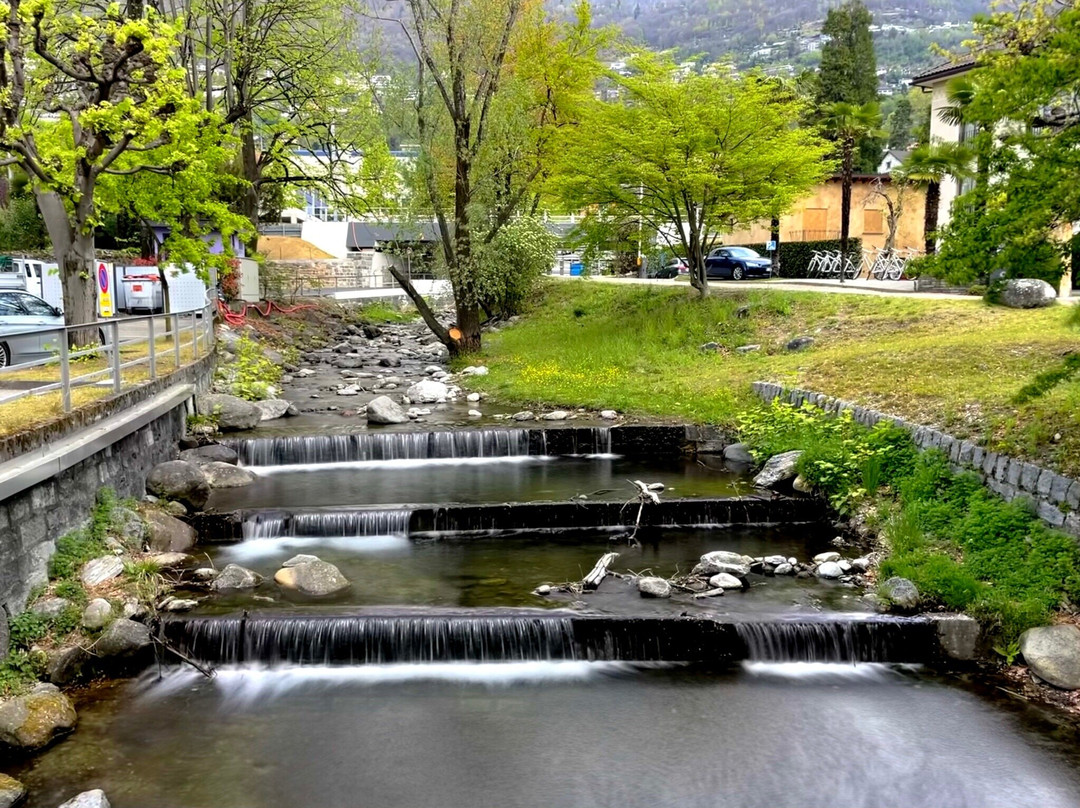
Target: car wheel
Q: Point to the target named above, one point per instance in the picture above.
(738, 273)
(5, 355)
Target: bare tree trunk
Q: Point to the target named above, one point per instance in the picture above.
(845, 203)
(422, 306)
(775, 236)
(250, 202)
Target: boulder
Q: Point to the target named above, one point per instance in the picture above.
(800, 485)
(179, 480)
(1027, 293)
(479, 370)
(609, 415)
(98, 570)
(556, 415)
(50, 607)
(233, 414)
(1053, 654)
(524, 415)
(123, 638)
(272, 408)
(427, 392)
(174, 508)
(725, 580)
(829, 570)
(653, 588)
(302, 558)
(384, 410)
(722, 561)
(129, 526)
(209, 453)
(33, 721)
(65, 664)
(12, 792)
(901, 593)
(88, 799)
(784, 569)
(830, 555)
(167, 533)
(312, 579)
(236, 577)
(738, 453)
(778, 469)
(225, 475)
(800, 343)
(97, 614)
(168, 561)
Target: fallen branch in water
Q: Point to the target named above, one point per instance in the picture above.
(599, 572)
(209, 673)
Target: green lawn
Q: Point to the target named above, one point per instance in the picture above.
(955, 364)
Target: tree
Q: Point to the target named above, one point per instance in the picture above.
(494, 82)
(689, 156)
(114, 106)
(284, 76)
(929, 165)
(900, 122)
(848, 70)
(848, 123)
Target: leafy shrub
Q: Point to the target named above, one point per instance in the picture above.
(510, 266)
(27, 628)
(795, 256)
(251, 373)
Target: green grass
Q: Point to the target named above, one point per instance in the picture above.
(381, 311)
(955, 364)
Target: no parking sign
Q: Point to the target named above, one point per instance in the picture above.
(104, 279)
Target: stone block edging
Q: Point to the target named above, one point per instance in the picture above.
(1056, 497)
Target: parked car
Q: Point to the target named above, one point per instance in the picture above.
(23, 312)
(737, 263)
(672, 269)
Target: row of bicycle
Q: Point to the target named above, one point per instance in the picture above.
(878, 264)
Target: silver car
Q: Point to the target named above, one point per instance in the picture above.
(22, 312)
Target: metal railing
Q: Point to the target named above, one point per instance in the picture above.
(188, 336)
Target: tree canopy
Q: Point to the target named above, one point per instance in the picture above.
(689, 156)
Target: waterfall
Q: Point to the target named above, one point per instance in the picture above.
(834, 640)
(355, 640)
(328, 524)
(368, 446)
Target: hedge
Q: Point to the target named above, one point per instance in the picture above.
(795, 255)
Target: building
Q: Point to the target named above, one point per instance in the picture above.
(935, 82)
(816, 217)
(892, 160)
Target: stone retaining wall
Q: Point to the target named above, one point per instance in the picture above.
(1056, 498)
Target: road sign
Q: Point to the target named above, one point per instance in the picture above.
(770, 246)
(105, 304)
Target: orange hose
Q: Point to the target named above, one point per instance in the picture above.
(237, 318)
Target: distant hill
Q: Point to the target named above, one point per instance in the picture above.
(785, 36)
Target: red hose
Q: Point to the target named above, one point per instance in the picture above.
(237, 318)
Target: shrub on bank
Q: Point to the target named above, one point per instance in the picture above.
(963, 546)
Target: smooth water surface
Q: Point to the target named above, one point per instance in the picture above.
(542, 734)
(472, 480)
(504, 570)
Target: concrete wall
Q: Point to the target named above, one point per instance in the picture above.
(1056, 497)
(817, 216)
(32, 521)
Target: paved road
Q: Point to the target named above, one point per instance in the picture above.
(856, 287)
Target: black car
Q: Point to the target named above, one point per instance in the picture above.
(737, 263)
(672, 269)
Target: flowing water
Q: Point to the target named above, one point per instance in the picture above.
(538, 734)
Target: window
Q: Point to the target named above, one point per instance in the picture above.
(9, 306)
(814, 223)
(36, 306)
(872, 221)
(744, 252)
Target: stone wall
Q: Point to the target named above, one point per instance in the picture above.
(32, 521)
(1056, 498)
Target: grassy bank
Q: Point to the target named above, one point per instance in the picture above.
(955, 364)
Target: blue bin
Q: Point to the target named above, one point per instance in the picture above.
(577, 268)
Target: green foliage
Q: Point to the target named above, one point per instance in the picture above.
(795, 256)
(27, 628)
(18, 671)
(1009, 651)
(21, 227)
(146, 578)
(79, 546)
(848, 69)
(512, 263)
(689, 155)
(251, 374)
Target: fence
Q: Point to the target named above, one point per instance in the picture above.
(131, 350)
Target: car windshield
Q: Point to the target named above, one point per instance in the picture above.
(742, 252)
(9, 306)
(36, 306)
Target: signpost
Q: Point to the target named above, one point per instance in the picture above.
(104, 279)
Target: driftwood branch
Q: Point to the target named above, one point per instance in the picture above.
(599, 572)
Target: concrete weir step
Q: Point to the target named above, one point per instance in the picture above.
(434, 521)
(423, 635)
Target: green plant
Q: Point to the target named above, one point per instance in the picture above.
(18, 671)
(27, 628)
(70, 589)
(146, 578)
(1010, 651)
(251, 372)
(202, 422)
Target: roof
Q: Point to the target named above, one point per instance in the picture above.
(899, 154)
(943, 71)
(287, 248)
(364, 236)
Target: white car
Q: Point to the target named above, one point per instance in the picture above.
(22, 312)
